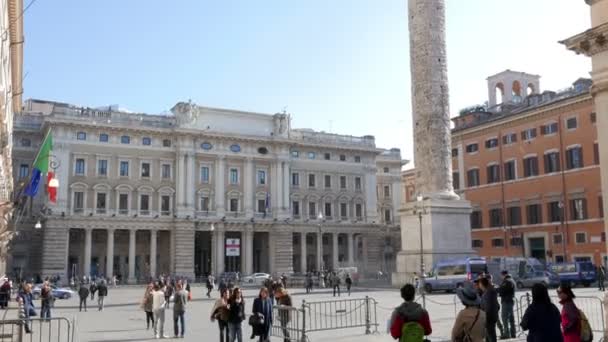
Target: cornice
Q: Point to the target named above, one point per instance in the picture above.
(590, 42)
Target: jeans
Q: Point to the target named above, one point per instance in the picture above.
(285, 330)
(83, 302)
(508, 320)
(100, 302)
(490, 331)
(235, 331)
(149, 319)
(159, 322)
(178, 316)
(45, 311)
(348, 289)
(337, 287)
(223, 331)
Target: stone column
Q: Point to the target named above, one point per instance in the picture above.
(286, 178)
(319, 251)
(132, 279)
(153, 253)
(303, 265)
(184, 249)
(220, 193)
(248, 251)
(351, 250)
(336, 260)
(279, 175)
(110, 254)
(220, 252)
(88, 233)
(274, 189)
(249, 183)
(189, 202)
(180, 178)
(371, 195)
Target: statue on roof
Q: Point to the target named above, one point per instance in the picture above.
(185, 113)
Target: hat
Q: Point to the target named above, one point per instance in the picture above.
(468, 295)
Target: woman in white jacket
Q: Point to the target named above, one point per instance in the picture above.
(158, 308)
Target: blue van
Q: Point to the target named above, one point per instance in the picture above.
(448, 275)
(575, 273)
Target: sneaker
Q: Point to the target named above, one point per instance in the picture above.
(157, 336)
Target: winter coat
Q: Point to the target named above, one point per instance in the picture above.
(285, 314)
(179, 301)
(266, 312)
(148, 302)
(102, 290)
(571, 322)
(543, 322)
(220, 311)
(236, 311)
(465, 322)
(409, 312)
(489, 304)
(83, 292)
(507, 289)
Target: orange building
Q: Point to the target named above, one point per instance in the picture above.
(530, 168)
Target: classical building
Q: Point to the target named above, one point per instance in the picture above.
(202, 190)
(11, 54)
(529, 165)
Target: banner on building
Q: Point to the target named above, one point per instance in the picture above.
(233, 247)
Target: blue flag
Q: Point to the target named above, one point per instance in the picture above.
(32, 188)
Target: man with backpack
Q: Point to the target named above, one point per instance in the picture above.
(507, 296)
(410, 322)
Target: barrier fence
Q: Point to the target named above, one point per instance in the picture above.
(58, 329)
(294, 324)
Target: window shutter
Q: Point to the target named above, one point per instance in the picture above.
(547, 163)
(543, 130)
(514, 137)
(504, 139)
(533, 132)
(523, 135)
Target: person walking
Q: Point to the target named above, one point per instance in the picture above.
(102, 293)
(471, 321)
(5, 293)
(168, 290)
(507, 297)
(410, 318)
(92, 290)
(570, 316)
(349, 282)
(308, 282)
(46, 300)
(26, 306)
(146, 305)
(179, 310)
(262, 306)
(285, 305)
(159, 304)
(219, 313)
(601, 278)
(489, 304)
(335, 283)
(236, 315)
(83, 293)
(542, 318)
(210, 281)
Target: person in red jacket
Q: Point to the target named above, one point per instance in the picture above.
(409, 311)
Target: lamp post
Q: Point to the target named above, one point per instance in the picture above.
(420, 210)
(320, 257)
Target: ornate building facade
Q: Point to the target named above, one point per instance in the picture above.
(203, 190)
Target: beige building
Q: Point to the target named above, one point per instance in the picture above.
(204, 190)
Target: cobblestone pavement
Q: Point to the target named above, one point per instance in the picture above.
(124, 321)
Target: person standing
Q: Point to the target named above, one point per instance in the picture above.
(92, 290)
(335, 283)
(601, 277)
(26, 306)
(83, 293)
(210, 282)
(349, 283)
(158, 307)
(471, 321)
(308, 282)
(168, 290)
(146, 304)
(570, 316)
(489, 304)
(542, 318)
(410, 312)
(285, 305)
(507, 298)
(102, 293)
(179, 310)
(46, 300)
(236, 315)
(5, 293)
(220, 313)
(263, 306)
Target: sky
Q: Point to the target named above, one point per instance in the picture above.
(338, 66)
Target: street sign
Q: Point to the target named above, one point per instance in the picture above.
(233, 247)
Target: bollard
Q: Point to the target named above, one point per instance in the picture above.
(303, 338)
(368, 329)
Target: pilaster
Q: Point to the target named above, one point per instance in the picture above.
(55, 244)
(184, 250)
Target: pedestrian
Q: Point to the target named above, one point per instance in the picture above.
(168, 290)
(570, 316)
(147, 304)
(114, 281)
(236, 315)
(542, 318)
(335, 283)
(83, 293)
(349, 282)
(471, 321)
(489, 304)
(219, 313)
(284, 280)
(102, 293)
(92, 290)
(507, 299)
(262, 307)
(179, 310)
(5, 293)
(46, 300)
(321, 281)
(601, 277)
(410, 318)
(222, 286)
(498, 323)
(308, 283)
(210, 282)
(159, 304)
(285, 305)
(26, 306)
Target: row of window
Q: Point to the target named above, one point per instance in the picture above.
(552, 164)
(558, 239)
(327, 181)
(527, 134)
(326, 156)
(534, 214)
(102, 201)
(327, 210)
(124, 139)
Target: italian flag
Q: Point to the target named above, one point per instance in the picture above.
(40, 167)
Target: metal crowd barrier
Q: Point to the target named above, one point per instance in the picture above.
(57, 329)
(294, 324)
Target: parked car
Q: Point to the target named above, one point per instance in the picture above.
(448, 275)
(233, 277)
(58, 292)
(575, 273)
(525, 271)
(256, 278)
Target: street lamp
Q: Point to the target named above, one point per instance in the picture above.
(212, 227)
(320, 256)
(420, 210)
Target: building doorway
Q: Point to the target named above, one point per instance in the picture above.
(537, 248)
